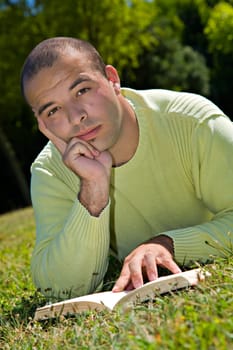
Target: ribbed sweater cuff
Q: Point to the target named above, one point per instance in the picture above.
(80, 216)
(190, 245)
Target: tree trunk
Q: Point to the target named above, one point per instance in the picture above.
(8, 151)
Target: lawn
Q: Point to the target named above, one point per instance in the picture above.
(199, 318)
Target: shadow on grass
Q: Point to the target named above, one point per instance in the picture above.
(23, 312)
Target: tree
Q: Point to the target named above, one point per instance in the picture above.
(10, 99)
(219, 33)
(119, 29)
(153, 43)
(219, 29)
(176, 67)
(109, 25)
(172, 63)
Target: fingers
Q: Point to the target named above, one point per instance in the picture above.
(171, 266)
(123, 279)
(144, 258)
(151, 267)
(132, 273)
(135, 268)
(74, 147)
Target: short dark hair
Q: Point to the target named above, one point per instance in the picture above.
(48, 51)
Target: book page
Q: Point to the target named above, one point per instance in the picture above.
(109, 300)
(164, 284)
(96, 301)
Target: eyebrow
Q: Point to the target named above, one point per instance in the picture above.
(72, 86)
(42, 108)
(78, 81)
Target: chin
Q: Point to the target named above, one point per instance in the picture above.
(98, 146)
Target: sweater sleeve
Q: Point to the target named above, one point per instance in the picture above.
(70, 257)
(212, 173)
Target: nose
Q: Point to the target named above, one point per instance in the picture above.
(76, 114)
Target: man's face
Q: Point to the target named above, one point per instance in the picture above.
(75, 101)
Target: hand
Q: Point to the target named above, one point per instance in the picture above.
(80, 156)
(92, 167)
(144, 259)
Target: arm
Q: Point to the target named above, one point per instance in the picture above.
(72, 226)
(212, 172)
(212, 175)
(72, 246)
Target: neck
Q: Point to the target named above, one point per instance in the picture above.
(127, 144)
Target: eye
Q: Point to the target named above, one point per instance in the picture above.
(82, 91)
(53, 111)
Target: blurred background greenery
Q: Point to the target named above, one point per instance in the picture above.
(184, 45)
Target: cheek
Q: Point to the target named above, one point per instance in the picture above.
(115, 116)
(112, 111)
(58, 127)
(107, 100)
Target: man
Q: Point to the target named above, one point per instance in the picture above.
(147, 174)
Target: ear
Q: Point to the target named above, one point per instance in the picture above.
(113, 77)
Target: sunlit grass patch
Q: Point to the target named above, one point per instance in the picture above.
(199, 318)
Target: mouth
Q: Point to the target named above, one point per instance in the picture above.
(90, 134)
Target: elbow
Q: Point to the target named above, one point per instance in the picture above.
(60, 285)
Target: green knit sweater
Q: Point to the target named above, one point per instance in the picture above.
(179, 182)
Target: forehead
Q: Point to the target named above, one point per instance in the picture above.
(68, 62)
(65, 69)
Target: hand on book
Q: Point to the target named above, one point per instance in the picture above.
(144, 260)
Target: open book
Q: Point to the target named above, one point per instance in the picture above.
(125, 299)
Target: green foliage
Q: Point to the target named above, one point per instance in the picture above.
(174, 44)
(218, 31)
(10, 50)
(119, 31)
(174, 67)
(219, 28)
(195, 318)
(15, 40)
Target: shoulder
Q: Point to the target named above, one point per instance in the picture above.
(172, 102)
(156, 99)
(48, 169)
(49, 161)
(47, 155)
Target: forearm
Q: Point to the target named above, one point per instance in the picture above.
(75, 258)
(72, 246)
(203, 242)
(94, 195)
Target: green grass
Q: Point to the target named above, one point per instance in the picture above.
(198, 318)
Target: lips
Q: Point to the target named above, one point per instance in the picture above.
(89, 134)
